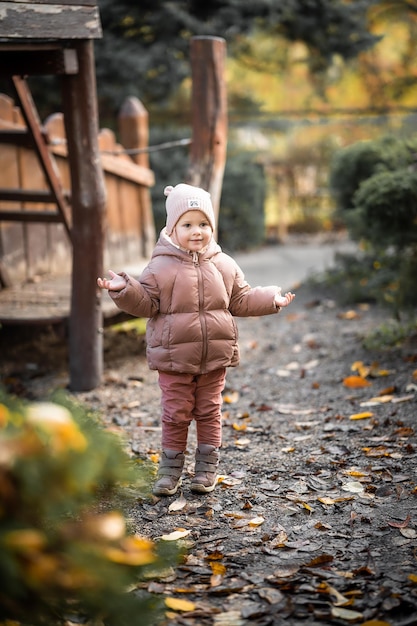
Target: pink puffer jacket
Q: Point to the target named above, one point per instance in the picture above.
(191, 300)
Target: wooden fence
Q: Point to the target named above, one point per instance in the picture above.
(28, 249)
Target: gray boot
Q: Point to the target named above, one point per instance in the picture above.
(206, 464)
(169, 473)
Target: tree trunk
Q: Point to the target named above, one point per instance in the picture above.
(88, 198)
(209, 116)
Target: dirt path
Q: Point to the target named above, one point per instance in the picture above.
(314, 520)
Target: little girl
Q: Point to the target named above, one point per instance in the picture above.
(191, 291)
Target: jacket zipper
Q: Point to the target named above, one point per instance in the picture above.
(203, 321)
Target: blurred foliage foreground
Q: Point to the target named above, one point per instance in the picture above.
(64, 553)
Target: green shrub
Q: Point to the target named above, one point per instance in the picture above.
(64, 550)
(360, 161)
(391, 334)
(375, 185)
(242, 218)
(385, 209)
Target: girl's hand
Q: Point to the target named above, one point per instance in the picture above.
(116, 283)
(284, 300)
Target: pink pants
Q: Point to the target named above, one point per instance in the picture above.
(186, 397)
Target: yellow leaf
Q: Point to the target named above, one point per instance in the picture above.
(57, 422)
(239, 426)
(361, 416)
(356, 473)
(218, 568)
(176, 604)
(414, 375)
(133, 550)
(25, 540)
(376, 373)
(154, 457)
(413, 578)
(180, 533)
(231, 398)
(326, 500)
(362, 369)
(349, 315)
(338, 598)
(356, 381)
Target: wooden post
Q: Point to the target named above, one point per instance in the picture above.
(209, 116)
(134, 135)
(88, 209)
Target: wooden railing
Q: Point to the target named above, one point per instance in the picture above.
(33, 239)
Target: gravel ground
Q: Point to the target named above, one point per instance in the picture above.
(314, 520)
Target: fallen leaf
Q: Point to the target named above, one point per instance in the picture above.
(243, 442)
(403, 524)
(377, 451)
(354, 487)
(349, 315)
(231, 398)
(291, 409)
(256, 521)
(348, 615)
(339, 599)
(286, 572)
(356, 382)
(280, 540)
(327, 500)
(320, 560)
(362, 369)
(178, 504)
(216, 580)
(230, 481)
(218, 568)
(377, 400)
(283, 373)
(180, 533)
(176, 604)
(403, 399)
(361, 416)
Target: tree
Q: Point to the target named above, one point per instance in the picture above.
(145, 48)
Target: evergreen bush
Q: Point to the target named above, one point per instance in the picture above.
(360, 161)
(242, 218)
(375, 186)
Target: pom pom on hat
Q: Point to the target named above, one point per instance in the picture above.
(183, 198)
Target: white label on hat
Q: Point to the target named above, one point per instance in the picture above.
(193, 203)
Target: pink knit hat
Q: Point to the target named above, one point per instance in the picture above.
(183, 198)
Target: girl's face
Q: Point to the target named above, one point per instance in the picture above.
(192, 231)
